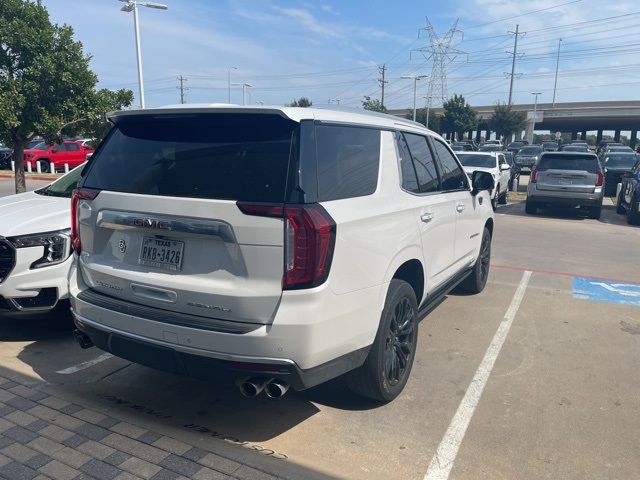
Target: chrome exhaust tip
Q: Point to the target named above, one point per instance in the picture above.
(83, 339)
(276, 388)
(252, 386)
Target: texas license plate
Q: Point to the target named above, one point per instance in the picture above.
(565, 182)
(161, 253)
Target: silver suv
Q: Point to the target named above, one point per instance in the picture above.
(566, 179)
(284, 246)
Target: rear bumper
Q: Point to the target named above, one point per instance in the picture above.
(215, 366)
(568, 199)
(316, 335)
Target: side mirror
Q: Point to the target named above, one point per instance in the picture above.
(504, 166)
(481, 181)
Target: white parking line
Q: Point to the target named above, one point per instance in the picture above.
(87, 364)
(442, 462)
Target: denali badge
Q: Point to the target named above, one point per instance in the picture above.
(108, 285)
(209, 307)
(152, 223)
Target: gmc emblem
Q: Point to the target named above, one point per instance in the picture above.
(152, 223)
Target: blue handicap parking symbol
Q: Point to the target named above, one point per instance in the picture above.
(606, 291)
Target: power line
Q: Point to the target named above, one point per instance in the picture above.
(523, 14)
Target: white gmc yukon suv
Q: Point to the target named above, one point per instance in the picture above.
(280, 246)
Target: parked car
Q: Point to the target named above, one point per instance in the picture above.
(68, 152)
(575, 147)
(566, 179)
(462, 147)
(254, 268)
(490, 147)
(629, 197)
(550, 146)
(35, 247)
(615, 165)
(515, 171)
(528, 156)
(494, 163)
(515, 146)
(5, 157)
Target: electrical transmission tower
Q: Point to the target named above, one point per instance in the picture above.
(442, 51)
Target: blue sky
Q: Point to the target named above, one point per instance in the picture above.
(331, 49)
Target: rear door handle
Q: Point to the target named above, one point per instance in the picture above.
(426, 217)
(460, 207)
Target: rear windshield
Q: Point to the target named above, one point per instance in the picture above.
(482, 161)
(575, 148)
(587, 163)
(217, 156)
(530, 150)
(621, 161)
(490, 148)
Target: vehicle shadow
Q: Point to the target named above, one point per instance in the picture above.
(116, 384)
(225, 442)
(52, 326)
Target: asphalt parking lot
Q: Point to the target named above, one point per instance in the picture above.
(537, 377)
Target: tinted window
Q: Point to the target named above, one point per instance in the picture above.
(72, 147)
(453, 177)
(530, 151)
(588, 163)
(41, 146)
(348, 161)
(424, 164)
(471, 160)
(222, 156)
(409, 179)
(621, 161)
(64, 186)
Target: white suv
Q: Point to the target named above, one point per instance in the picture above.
(283, 246)
(493, 163)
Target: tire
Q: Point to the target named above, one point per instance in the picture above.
(382, 377)
(595, 212)
(530, 207)
(494, 200)
(504, 198)
(45, 166)
(477, 279)
(620, 210)
(633, 216)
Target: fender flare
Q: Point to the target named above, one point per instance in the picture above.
(410, 252)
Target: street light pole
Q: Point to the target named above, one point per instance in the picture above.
(535, 114)
(555, 84)
(244, 91)
(415, 79)
(229, 81)
(428, 98)
(132, 6)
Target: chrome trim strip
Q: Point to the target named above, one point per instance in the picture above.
(118, 220)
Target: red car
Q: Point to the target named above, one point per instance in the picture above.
(69, 152)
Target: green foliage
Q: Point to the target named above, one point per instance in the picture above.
(506, 121)
(95, 125)
(421, 117)
(301, 102)
(458, 116)
(374, 105)
(45, 80)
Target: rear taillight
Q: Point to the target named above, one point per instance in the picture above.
(599, 179)
(533, 176)
(309, 241)
(79, 194)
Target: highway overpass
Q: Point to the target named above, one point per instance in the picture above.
(576, 118)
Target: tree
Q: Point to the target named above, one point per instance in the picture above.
(374, 105)
(506, 121)
(421, 117)
(95, 125)
(301, 102)
(45, 80)
(458, 116)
